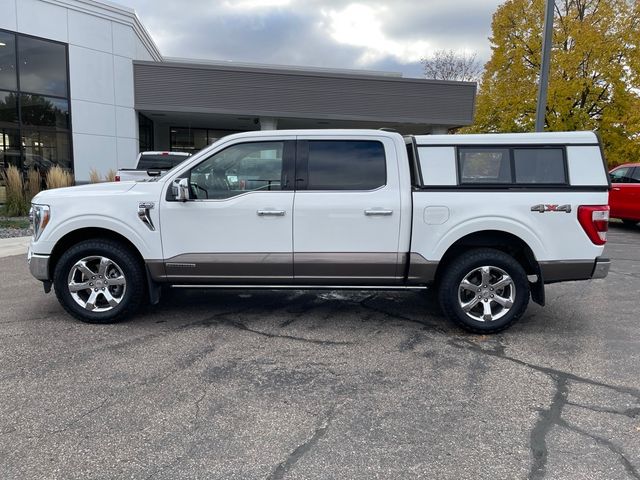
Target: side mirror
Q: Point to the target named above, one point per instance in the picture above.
(181, 189)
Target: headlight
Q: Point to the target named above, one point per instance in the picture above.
(39, 216)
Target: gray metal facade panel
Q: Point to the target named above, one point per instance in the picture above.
(180, 87)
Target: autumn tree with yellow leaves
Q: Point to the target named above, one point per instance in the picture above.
(594, 78)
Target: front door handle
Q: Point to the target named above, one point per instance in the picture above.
(378, 212)
(270, 213)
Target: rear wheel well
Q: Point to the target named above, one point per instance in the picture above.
(499, 240)
(82, 234)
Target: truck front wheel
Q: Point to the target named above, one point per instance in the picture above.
(99, 281)
(484, 290)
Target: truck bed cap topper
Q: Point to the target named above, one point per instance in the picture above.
(567, 138)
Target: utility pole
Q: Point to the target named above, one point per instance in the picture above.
(544, 65)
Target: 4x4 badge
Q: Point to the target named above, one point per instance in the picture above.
(551, 208)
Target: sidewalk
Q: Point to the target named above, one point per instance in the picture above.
(14, 246)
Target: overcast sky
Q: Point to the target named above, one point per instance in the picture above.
(389, 35)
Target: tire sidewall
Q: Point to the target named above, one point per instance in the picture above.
(122, 257)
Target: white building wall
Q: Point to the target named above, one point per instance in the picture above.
(8, 19)
(103, 39)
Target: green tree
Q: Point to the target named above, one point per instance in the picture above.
(594, 78)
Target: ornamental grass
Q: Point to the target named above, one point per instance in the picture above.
(57, 177)
(16, 204)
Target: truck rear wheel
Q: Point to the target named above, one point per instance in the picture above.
(484, 290)
(99, 281)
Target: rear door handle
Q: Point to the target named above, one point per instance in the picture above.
(270, 213)
(375, 212)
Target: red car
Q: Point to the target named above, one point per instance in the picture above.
(624, 198)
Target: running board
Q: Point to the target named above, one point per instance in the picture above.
(303, 287)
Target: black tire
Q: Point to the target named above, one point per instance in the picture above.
(127, 262)
(629, 223)
(460, 267)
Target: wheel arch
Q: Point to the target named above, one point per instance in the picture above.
(86, 233)
(506, 242)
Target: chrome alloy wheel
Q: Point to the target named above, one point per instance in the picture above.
(97, 283)
(486, 294)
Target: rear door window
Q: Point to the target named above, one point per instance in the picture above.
(345, 165)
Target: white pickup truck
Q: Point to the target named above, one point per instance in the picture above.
(486, 219)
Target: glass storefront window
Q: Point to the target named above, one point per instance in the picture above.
(44, 111)
(8, 109)
(45, 148)
(43, 66)
(145, 129)
(199, 138)
(35, 127)
(182, 140)
(8, 77)
(190, 140)
(9, 147)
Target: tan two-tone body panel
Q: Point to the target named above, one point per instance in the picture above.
(278, 268)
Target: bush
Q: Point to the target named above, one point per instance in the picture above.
(58, 178)
(17, 204)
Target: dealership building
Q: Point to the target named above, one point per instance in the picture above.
(83, 85)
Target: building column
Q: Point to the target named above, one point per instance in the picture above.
(268, 123)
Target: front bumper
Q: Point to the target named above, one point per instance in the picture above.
(38, 265)
(601, 268)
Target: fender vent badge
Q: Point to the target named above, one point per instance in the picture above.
(143, 214)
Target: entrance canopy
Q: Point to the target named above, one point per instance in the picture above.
(229, 97)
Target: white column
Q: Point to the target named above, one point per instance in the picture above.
(268, 123)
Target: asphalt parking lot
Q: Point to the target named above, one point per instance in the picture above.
(297, 384)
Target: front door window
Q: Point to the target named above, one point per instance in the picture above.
(239, 169)
(620, 175)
